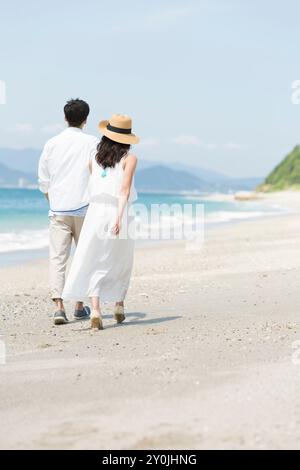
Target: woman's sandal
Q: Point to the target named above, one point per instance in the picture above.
(96, 321)
(119, 315)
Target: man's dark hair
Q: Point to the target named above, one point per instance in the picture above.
(76, 112)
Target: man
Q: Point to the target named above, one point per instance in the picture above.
(63, 178)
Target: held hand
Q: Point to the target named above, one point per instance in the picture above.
(117, 227)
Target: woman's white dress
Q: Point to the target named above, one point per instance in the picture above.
(102, 263)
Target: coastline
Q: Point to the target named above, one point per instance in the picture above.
(19, 258)
(206, 358)
(283, 203)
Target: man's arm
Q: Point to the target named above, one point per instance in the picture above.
(92, 148)
(92, 151)
(43, 172)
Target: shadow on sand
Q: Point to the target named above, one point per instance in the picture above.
(132, 318)
(139, 318)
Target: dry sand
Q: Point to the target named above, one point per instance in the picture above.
(204, 360)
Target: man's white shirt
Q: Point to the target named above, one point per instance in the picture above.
(63, 170)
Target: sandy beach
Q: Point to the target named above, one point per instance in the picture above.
(207, 358)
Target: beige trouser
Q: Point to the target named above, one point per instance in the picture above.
(63, 229)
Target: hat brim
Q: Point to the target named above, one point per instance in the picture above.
(116, 137)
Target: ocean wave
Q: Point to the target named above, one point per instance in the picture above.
(24, 240)
(230, 216)
(171, 223)
(213, 197)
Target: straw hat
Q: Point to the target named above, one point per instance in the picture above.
(119, 129)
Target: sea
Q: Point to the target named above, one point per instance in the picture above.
(24, 217)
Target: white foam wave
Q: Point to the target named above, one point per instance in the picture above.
(171, 223)
(23, 240)
(229, 216)
(214, 197)
(26, 240)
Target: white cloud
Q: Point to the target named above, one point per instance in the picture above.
(21, 128)
(211, 146)
(2, 92)
(52, 128)
(27, 128)
(150, 142)
(194, 141)
(232, 146)
(167, 16)
(159, 19)
(188, 140)
(24, 127)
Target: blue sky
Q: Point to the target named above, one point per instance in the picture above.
(206, 82)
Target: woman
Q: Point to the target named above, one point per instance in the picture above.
(102, 263)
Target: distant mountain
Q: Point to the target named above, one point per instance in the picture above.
(179, 177)
(219, 181)
(200, 172)
(163, 178)
(20, 159)
(10, 177)
(286, 175)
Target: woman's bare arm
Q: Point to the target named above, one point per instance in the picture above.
(129, 170)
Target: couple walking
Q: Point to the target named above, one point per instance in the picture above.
(89, 185)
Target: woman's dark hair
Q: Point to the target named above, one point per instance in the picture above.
(76, 112)
(109, 152)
